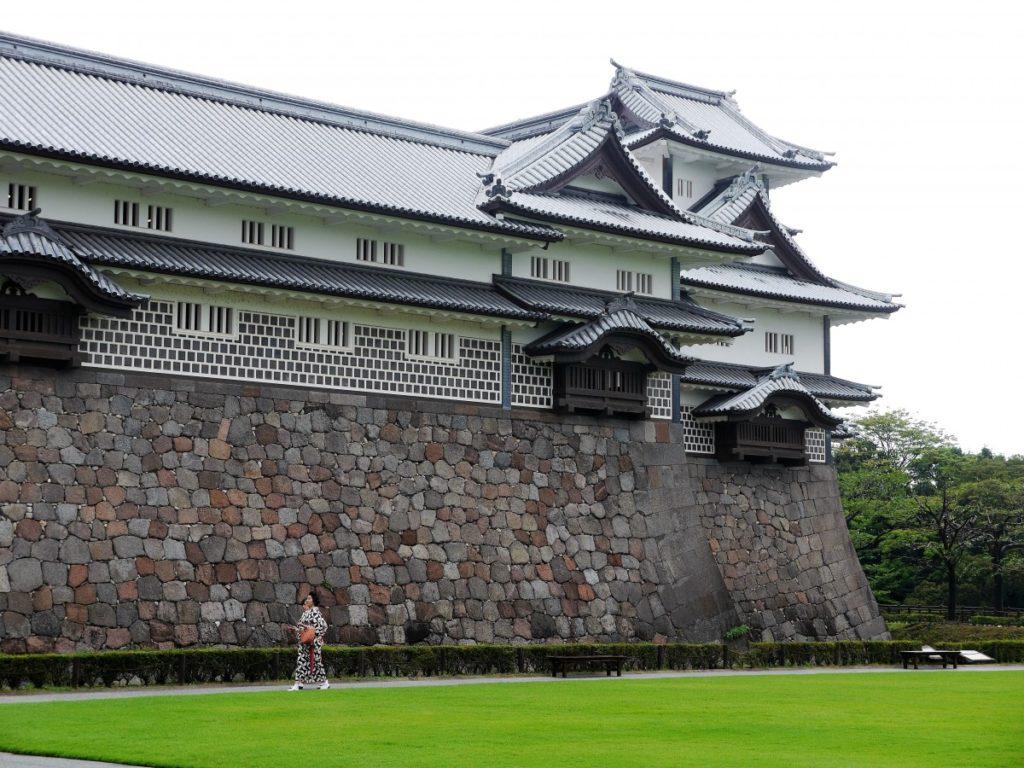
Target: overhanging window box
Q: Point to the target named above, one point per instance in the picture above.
(38, 329)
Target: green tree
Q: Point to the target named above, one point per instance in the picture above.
(1000, 506)
(895, 437)
(949, 519)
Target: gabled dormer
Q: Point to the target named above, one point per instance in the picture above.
(784, 272)
(580, 174)
(584, 150)
(704, 127)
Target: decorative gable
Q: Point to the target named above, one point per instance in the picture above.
(588, 145)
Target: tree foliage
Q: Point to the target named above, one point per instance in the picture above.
(930, 522)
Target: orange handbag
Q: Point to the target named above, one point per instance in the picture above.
(307, 635)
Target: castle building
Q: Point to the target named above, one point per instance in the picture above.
(253, 344)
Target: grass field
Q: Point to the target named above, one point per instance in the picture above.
(876, 720)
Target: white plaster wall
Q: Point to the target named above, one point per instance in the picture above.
(595, 266)
(428, 320)
(62, 200)
(703, 176)
(768, 259)
(808, 341)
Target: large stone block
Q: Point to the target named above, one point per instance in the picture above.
(185, 503)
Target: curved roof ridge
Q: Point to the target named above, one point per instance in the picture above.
(781, 381)
(682, 89)
(30, 238)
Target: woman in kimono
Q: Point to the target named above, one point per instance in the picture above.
(309, 667)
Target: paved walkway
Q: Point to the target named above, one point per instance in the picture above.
(205, 690)
(8, 760)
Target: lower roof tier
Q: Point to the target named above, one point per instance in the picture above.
(732, 377)
(776, 283)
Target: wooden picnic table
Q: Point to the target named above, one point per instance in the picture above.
(947, 657)
(609, 662)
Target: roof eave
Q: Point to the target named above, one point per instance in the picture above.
(720, 289)
(497, 228)
(504, 205)
(660, 133)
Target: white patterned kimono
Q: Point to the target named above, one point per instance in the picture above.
(309, 667)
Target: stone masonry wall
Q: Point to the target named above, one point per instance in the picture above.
(141, 510)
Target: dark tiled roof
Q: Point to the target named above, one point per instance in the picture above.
(620, 317)
(777, 283)
(588, 212)
(740, 377)
(31, 237)
(181, 257)
(781, 381)
(682, 315)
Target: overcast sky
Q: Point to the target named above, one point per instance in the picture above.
(921, 103)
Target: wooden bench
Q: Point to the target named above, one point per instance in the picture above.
(563, 663)
(947, 657)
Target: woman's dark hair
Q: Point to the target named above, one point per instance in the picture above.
(312, 596)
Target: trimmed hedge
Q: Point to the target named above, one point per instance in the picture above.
(995, 621)
(217, 665)
(914, 617)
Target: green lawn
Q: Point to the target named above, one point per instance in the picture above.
(884, 719)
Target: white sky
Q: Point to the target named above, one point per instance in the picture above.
(921, 101)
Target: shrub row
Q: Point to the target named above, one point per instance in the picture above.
(996, 621)
(212, 665)
(913, 617)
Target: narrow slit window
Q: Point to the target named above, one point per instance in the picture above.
(432, 344)
(644, 283)
(21, 197)
(394, 254)
(282, 237)
(221, 320)
(323, 332)
(684, 188)
(252, 232)
(366, 250)
(560, 270)
(539, 267)
(126, 213)
(776, 343)
(624, 280)
(195, 317)
(159, 218)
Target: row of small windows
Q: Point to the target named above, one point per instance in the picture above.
(200, 319)
(127, 214)
(323, 332)
(437, 345)
(776, 343)
(380, 252)
(639, 282)
(197, 318)
(281, 236)
(546, 268)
